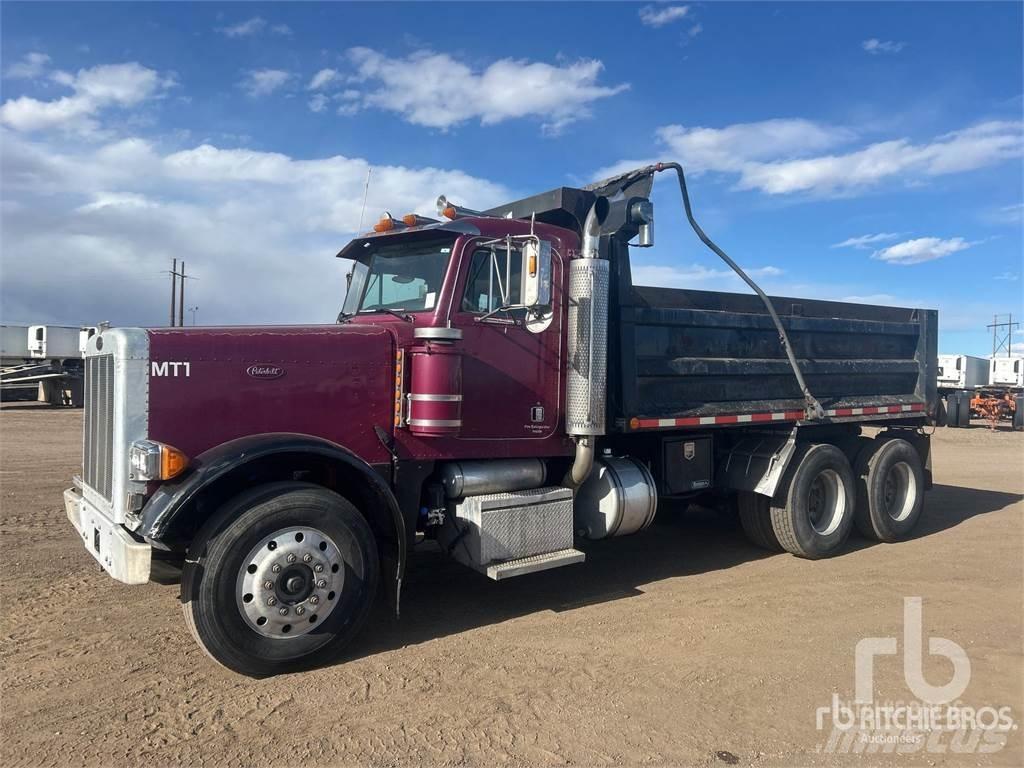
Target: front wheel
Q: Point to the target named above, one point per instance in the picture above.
(280, 579)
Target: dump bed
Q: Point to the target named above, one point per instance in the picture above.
(702, 358)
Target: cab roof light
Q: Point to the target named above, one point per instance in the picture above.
(415, 220)
(387, 223)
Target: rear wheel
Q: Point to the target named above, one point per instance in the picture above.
(890, 492)
(756, 518)
(280, 579)
(814, 513)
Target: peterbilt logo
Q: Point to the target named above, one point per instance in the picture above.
(265, 371)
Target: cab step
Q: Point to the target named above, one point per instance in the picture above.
(534, 563)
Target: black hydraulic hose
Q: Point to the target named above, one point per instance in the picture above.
(812, 408)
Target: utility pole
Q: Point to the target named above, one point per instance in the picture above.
(1002, 339)
(193, 310)
(181, 297)
(174, 285)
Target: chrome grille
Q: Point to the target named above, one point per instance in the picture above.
(98, 459)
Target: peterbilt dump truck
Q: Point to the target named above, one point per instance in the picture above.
(496, 386)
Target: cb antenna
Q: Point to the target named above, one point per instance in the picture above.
(366, 191)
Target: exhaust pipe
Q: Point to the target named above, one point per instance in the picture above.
(586, 383)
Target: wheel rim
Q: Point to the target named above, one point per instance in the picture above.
(289, 583)
(899, 491)
(826, 502)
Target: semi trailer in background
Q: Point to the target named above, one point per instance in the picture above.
(43, 362)
(495, 386)
(960, 372)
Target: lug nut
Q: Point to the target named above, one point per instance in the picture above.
(314, 599)
(271, 601)
(307, 558)
(299, 611)
(268, 584)
(292, 558)
(283, 611)
(275, 568)
(322, 583)
(319, 567)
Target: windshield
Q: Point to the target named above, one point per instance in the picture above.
(400, 277)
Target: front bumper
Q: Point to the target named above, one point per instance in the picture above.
(124, 558)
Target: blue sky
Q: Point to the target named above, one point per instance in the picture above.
(237, 137)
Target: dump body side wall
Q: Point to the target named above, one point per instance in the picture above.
(703, 354)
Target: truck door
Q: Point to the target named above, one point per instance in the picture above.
(511, 370)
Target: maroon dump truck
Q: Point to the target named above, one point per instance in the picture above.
(497, 386)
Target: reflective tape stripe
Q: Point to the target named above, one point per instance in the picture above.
(436, 398)
(755, 418)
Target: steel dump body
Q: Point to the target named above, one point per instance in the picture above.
(687, 355)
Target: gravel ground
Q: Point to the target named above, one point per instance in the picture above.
(682, 645)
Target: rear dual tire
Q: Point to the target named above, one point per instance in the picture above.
(815, 514)
(890, 490)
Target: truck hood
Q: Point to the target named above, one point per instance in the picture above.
(211, 385)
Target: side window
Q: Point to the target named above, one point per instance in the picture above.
(494, 281)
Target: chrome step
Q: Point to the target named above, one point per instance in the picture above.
(534, 563)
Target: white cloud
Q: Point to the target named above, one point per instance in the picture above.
(438, 91)
(1017, 348)
(920, 249)
(874, 46)
(735, 147)
(1006, 214)
(695, 30)
(969, 149)
(780, 157)
(263, 82)
(864, 241)
(322, 79)
(652, 16)
(1008, 276)
(247, 28)
(260, 229)
(31, 66)
(253, 27)
(318, 103)
(107, 85)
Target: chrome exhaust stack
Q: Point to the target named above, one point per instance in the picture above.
(586, 383)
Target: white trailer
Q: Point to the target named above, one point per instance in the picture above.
(13, 344)
(54, 342)
(958, 372)
(1006, 372)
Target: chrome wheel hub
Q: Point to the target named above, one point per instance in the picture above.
(290, 582)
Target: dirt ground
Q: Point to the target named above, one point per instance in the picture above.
(680, 646)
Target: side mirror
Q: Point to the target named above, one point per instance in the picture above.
(536, 287)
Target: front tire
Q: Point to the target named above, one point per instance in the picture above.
(814, 515)
(280, 579)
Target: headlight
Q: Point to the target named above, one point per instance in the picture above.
(151, 460)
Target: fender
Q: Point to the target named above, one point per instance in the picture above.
(172, 498)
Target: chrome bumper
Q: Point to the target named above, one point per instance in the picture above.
(124, 558)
